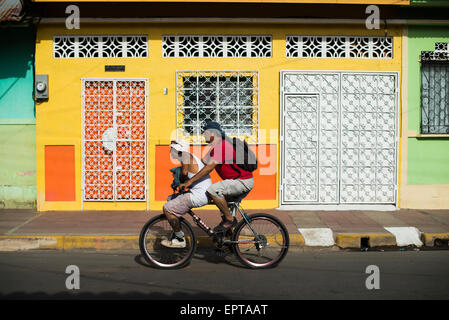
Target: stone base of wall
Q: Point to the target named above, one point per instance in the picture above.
(424, 197)
(15, 197)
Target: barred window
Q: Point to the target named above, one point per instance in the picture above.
(435, 90)
(228, 97)
(435, 98)
(100, 46)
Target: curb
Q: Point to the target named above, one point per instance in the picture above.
(429, 238)
(93, 242)
(354, 240)
(131, 242)
(67, 242)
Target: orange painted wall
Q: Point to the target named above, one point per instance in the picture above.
(264, 184)
(59, 173)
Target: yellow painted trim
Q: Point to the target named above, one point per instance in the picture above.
(352, 240)
(429, 238)
(432, 136)
(101, 242)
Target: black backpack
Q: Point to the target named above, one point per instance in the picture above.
(245, 157)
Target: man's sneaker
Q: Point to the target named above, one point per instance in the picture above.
(175, 242)
(225, 225)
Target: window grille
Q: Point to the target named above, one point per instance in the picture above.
(339, 47)
(100, 46)
(435, 90)
(216, 46)
(228, 97)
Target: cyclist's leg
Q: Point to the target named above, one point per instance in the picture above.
(175, 208)
(217, 192)
(172, 219)
(223, 190)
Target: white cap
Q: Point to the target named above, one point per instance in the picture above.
(180, 145)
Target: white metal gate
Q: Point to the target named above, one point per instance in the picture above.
(114, 139)
(338, 137)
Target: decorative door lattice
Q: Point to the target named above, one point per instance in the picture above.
(354, 159)
(301, 125)
(114, 142)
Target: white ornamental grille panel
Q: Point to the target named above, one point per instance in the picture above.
(339, 47)
(217, 46)
(327, 86)
(114, 140)
(356, 137)
(301, 140)
(228, 97)
(368, 141)
(100, 46)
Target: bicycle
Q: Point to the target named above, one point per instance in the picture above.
(251, 240)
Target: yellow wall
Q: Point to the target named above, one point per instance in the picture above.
(58, 121)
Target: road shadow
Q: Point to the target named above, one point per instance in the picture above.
(109, 295)
(205, 254)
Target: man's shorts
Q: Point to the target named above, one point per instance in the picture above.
(180, 205)
(231, 188)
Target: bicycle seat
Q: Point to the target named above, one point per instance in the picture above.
(231, 200)
(237, 199)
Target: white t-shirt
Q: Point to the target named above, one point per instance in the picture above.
(198, 189)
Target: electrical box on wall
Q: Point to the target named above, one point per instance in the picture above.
(41, 87)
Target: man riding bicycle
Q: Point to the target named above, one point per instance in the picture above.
(222, 158)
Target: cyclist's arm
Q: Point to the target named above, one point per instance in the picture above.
(184, 172)
(202, 173)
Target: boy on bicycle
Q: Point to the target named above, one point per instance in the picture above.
(196, 197)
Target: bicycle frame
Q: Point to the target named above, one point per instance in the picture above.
(234, 207)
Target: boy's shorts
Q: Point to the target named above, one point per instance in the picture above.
(180, 205)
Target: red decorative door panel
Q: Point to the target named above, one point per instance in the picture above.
(114, 139)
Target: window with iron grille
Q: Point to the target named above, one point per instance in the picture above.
(435, 90)
(228, 97)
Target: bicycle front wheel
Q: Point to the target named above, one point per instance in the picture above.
(261, 244)
(158, 229)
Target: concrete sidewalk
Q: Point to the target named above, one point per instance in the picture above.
(107, 230)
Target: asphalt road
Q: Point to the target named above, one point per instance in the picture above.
(302, 275)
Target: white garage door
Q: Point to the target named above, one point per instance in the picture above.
(338, 137)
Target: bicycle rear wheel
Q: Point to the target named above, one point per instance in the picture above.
(263, 244)
(158, 229)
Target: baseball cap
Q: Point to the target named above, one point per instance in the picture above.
(213, 125)
(180, 145)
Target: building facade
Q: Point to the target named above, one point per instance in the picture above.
(320, 101)
(17, 112)
(426, 117)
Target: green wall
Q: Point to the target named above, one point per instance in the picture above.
(427, 159)
(17, 118)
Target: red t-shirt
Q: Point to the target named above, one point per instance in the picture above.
(224, 153)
